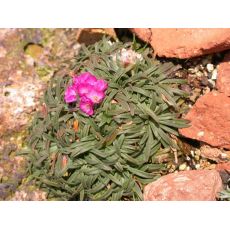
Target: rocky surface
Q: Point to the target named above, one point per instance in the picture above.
(210, 120)
(214, 154)
(143, 33)
(185, 43)
(28, 192)
(89, 36)
(12, 171)
(223, 80)
(28, 59)
(202, 185)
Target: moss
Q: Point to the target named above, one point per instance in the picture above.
(47, 35)
(45, 73)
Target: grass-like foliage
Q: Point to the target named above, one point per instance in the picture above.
(111, 155)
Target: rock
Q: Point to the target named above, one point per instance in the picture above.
(214, 75)
(22, 81)
(214, 154)
(34, 50)
(224, 170)
(210, 67)
(223, 167)
(223, 80)
(6, 32)
(3, 52)
(202, 185)
(143, 33)
(28, 57)
(29, 193)
(18, 100)
(210, 120)
(89, 36)
(185, 43)
(197, 166)
(12, 171)
(183, 167)
(195, 94)
(211, 83)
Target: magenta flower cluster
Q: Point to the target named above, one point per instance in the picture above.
(88, 89)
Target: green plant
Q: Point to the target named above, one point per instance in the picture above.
(111, 155)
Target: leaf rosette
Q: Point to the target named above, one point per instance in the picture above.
(111, 154)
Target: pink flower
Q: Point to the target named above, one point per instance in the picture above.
(90, 90)
(85, 78)
(70, 94)
(101, 85)
(83, 89)
(95, 96)
(86, 106)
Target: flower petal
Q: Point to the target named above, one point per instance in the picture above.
(101, 85)
(95, 96)
(86, 106)
(83, 89)
(85, 78)
(70, 94)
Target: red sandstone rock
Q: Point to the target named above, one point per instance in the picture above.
(210, 120)
(200, 185)
(223, 166)
(185, 43)
(223, 77)
(143, 33)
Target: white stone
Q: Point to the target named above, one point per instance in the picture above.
(214, 74)
(210, 67)
(182, 167)
(197, 166)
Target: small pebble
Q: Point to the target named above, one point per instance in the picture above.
(200, 134)
(199, 74)
(182, 167)
(210, 67)
(29, 60)
(197, 157)
(197, 166)
(224, 155)
(214, 74)
(192, 153)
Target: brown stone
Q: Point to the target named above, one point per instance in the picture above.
(210, 120)
(202, 185)
(214, 154)
(186, 43)
(223, 77)
(89, 36)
